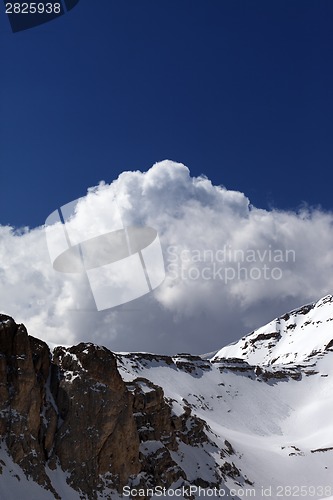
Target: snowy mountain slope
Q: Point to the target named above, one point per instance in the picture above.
(15, 485)
(253, 420)
(280, 430)
(270, 396)
(292, 338)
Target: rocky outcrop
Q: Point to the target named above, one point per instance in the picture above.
(160, 433)
(97, 435)
(24, 370)
(102, 421)
(72, 409)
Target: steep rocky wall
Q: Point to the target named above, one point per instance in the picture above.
(97, 432)
(72, 409)
(24, 369)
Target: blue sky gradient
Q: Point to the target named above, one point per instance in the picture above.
(239, 91)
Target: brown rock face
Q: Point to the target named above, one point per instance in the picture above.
(97, 434)
(74, 410)
(24, 368)
(161, 432)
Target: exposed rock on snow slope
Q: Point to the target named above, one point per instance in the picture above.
(254, 419)
(292, 338)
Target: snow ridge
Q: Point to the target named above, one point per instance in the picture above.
(291, 338)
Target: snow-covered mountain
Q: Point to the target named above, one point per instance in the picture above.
(293, 338)
(252, 420)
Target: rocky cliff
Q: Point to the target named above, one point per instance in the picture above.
(72, 409)
(253, 420)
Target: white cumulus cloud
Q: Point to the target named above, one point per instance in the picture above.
(230, 267)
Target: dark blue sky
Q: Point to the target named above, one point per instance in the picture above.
(240, 91)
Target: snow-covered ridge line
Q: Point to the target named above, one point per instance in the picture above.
(250, 422)
(289, 339)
